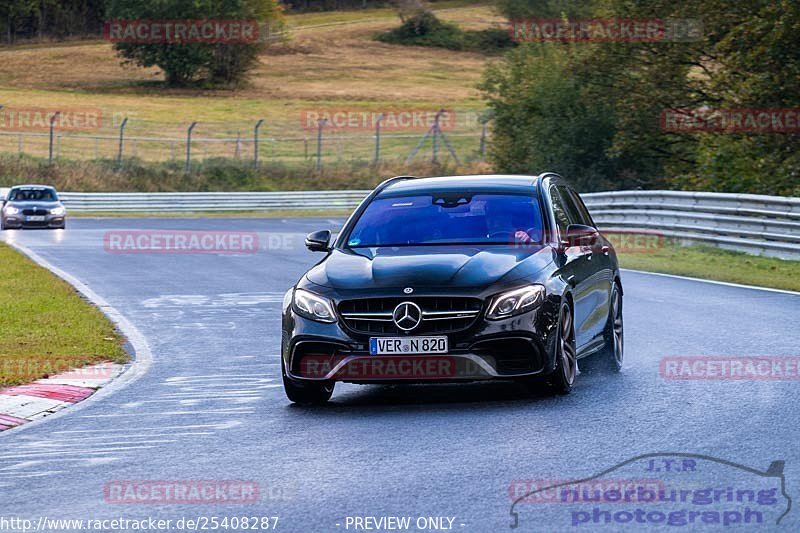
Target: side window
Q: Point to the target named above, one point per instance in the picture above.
(560, 212)
(569, 204)
(585, 216)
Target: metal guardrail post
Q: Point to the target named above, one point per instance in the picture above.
(255, 143)
(52, 128)
(320, 124)
(189, 147)
(121, 141)
(378, 138)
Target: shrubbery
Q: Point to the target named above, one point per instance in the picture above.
(592, 111)
(425, 29)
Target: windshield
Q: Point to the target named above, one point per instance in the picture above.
(448, 218)
(32, 195)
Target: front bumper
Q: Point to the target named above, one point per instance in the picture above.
(516, 347)
(22, 222)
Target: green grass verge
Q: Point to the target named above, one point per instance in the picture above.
(715, 264)
(46, 326)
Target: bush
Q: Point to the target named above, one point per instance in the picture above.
(425, 29)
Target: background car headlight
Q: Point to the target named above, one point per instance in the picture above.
(11, 210)
(515, 302)
(58, 211)
(312, 306)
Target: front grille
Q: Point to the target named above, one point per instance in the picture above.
(440, 314)
(34, 211)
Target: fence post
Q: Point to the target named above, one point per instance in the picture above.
(320, 125)
(378, 138)
(436, 131)
(189, 147)
(52, 127)
(121, 141)
(255, 143)
(483, 141)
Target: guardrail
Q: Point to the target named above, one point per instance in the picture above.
(751, 223)
(756, 224)
(167, 202)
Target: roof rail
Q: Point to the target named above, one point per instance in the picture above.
(385, 183)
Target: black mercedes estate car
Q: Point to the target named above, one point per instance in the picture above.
(457, 278)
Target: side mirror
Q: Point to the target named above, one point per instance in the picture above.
(319, 241)
(580, 235)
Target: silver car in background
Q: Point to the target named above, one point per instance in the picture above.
(32, 206)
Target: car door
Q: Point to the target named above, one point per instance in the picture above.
(598, 277)
(576, 268)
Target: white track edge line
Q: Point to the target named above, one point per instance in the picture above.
(715, 282)
(142, 356)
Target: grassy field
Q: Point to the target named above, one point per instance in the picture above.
(330, 62)
(47, 327)
(330, 59)
(715, 264)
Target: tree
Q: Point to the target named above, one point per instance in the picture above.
(13, 13)
(597, 106)
(187, 62)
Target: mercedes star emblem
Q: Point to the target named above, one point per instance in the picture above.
(407, 316)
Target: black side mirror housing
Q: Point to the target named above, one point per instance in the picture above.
(580, 235)
(319, 241)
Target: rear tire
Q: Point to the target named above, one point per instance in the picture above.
(307, 392)
(612, 353)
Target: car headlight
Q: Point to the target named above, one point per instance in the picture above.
(58, 211)
(514, 302)
(11, 210)
(314, 307)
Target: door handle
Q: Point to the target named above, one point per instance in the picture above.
(605, 250)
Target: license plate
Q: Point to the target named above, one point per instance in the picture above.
(36, 218)
(407, 345)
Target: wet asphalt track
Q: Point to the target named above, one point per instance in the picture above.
(211, 406)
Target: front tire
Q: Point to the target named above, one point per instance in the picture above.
(306, 393)
(565, 353)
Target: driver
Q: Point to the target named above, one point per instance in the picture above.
(500, 223)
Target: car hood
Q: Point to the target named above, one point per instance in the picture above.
(451, 266)
(30, 205)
